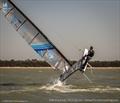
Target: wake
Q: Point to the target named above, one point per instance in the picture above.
(61, 87)
(57, 86)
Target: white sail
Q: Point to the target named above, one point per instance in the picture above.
(34, 36)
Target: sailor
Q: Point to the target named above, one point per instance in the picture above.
(90, 52)
(88, 57)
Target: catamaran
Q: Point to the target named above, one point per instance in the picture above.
(39, 41)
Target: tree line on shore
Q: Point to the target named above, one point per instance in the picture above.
(37, 63)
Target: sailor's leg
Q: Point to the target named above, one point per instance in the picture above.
(85, 62)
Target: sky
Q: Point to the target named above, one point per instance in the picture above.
(70, 25)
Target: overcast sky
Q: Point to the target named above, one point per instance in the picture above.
(70, 25)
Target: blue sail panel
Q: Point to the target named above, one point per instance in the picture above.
(41, 47)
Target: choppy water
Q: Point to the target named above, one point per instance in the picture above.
(41, 86)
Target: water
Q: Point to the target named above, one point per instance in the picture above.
(41, 85)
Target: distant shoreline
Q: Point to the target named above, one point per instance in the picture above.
(51, 68)
(37, 63)
(25, 67)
